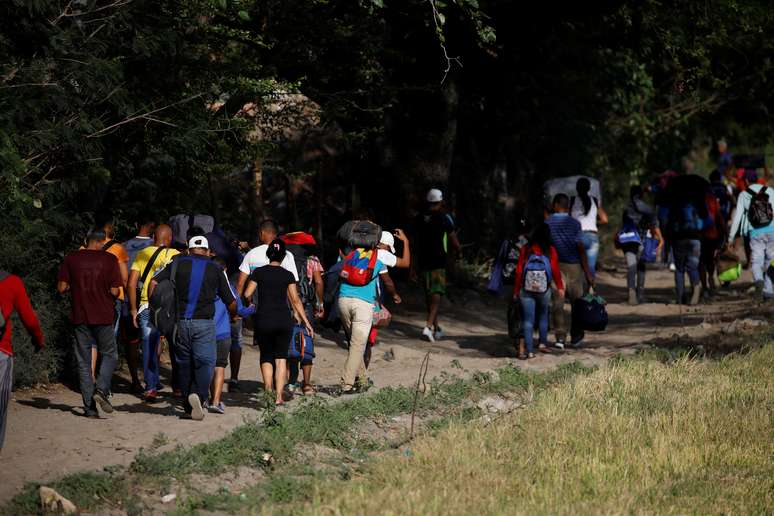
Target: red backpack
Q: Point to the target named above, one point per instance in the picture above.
(359, 267)
(711, 231)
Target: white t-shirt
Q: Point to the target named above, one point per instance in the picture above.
(588, 221)
(387, 258)
(257, 258)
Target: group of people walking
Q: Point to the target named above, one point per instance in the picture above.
(117, 290)
(188, 271)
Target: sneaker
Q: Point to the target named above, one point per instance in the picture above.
(103, 401)
(220, 408)
(91, 413)
(428, 334)
(559, 344)
(438, 333)
(543, 348)
(672, 267)
(576, 344)
(150, 396)
(197, 414)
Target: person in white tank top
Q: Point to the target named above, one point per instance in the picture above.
(589, 212)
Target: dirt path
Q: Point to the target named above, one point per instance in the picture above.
(47, 437)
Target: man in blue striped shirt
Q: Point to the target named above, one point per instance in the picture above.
(566, 236)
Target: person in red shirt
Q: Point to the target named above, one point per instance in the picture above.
(13, 296)
(538, 267)
(93, 278)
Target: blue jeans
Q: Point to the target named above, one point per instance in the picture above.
(590, 241)
(149, 340)
(533, 305)
(236, 335)
(195, 352)
(687, 253)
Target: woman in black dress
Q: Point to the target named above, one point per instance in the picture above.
(275, 288)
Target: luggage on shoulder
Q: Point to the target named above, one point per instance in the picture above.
(589, 313)
(181, 223)
(162, 304)
(629, 234)
(685, 219)
(361, 233)
(302, 245)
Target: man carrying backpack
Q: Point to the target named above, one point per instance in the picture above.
(144, 267)
(360, 275)
(197, 282)
(755, 208)
(13, 297)
(685, 222)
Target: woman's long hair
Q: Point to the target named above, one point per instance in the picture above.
(583, 186)
(542, 238)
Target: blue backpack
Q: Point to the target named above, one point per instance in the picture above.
(537, 274)
(685, 219)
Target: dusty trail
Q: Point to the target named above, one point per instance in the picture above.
(47, 437)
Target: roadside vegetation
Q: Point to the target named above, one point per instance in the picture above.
(638, 436)
(664, 432)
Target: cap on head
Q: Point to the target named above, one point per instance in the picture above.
(434, 195)
(388, 240)
(198, 242)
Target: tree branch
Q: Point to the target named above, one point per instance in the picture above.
(143, 116)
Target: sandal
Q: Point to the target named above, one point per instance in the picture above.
(522, 356)
(308, 389)
(531, 355)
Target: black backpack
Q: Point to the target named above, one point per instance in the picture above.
(305, 283)
(760, 213)
(163, 305)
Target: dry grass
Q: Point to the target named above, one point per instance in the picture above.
(636, 437)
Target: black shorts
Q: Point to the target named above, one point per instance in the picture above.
(224, 348)
(273, 339)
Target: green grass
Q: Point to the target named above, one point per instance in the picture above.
(637, 436)
(313, 422)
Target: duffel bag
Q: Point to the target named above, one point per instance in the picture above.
(589, 313)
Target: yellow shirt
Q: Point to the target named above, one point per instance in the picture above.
(142, 259)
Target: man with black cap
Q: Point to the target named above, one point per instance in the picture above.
(434, 238)
(198, 281)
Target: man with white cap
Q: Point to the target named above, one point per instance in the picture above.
(198, 281)
(434, 238)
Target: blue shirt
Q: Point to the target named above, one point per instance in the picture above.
(367, 292)
(566, 234)
(223, 319)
